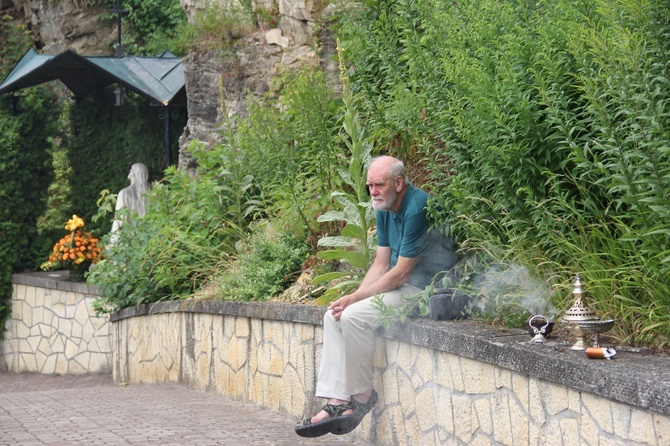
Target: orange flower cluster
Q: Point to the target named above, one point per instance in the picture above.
(76, 248)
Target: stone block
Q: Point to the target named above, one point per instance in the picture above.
(423, 367)
(574, 401)
(503, 378)
(405, 393)
(99, 363)
(465, 422)
(71, 349)
(569, 428)
(33, 343)
(521, 390)
(72, 298)
(389, 425)
(502, 421)
(242, 328)
(40, 359)
(23, 346)
(482, 407)
(445, 410)
(644, 427)
(479, 378)
(621, 415)
(662, 428)
(442, 374)
(520, 422)
(82, 313)
(412, 428)
(600, 410)
(551, 434)
(456, 373)
(276, 365)
(61, 364)
(554, 397)
(535, 403)
(49, 364)
(59, 310)
(29, 295)
(28, 363)
(426, 411)
(589, 431)
(36, 316)
(405, 359)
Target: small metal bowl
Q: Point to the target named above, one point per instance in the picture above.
(595, 327)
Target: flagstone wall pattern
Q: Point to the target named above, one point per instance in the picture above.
(53, 328)
(427, 397)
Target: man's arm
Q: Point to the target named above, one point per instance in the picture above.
(379, 279)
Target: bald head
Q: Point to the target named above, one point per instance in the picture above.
(392, 166)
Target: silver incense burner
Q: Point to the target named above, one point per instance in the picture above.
(578, 313)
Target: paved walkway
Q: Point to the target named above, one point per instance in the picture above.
(92, 410)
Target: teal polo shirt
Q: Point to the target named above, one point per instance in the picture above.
(406, 233)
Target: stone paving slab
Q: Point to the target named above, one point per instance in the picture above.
(88, 410)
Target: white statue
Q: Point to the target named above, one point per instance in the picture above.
(134, 196)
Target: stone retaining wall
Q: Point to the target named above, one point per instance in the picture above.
(53, 328)
(439, 382)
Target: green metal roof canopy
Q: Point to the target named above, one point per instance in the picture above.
(158, 79)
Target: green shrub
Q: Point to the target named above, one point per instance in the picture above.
(294, 155)
(215, 28)
(266, 262)
(191, 226)
(150, 26)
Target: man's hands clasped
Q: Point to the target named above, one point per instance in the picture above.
(338, 306)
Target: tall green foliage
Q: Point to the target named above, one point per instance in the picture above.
(149, 27)
(355, 246)
(545, 126)
(25, 169)
(25, 173)
(294, 155)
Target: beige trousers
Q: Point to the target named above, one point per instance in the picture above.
(349, 346)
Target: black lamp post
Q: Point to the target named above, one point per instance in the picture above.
(120, 12)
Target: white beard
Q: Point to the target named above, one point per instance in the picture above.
(384, 203)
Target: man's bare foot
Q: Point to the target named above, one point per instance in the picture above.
(323, 415)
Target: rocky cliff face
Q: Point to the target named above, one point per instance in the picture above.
(67, 24)
(254, 61)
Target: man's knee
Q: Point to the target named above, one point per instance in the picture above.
(328, 318)
(355, 315)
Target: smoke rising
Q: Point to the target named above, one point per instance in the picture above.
(505, 286)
